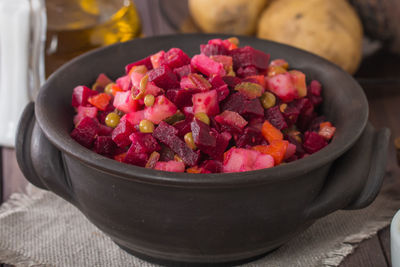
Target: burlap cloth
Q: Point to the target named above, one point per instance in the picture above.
(40, 229)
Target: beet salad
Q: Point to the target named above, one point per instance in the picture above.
(226, 109)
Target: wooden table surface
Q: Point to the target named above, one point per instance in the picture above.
(384, 101)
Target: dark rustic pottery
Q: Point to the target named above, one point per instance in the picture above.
(202, 218)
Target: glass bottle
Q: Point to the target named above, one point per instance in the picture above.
(77, 26)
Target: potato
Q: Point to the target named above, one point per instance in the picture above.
(226, 16)
(330, 29)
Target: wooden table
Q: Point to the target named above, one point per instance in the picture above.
(384, 100)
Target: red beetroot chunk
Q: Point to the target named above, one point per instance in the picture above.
(167, 134)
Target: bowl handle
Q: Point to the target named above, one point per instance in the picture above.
(40, 162)
(356, 177)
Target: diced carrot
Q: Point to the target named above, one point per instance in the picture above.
(194, 169)
(261, 148)
(276, 149)
(115, 88)
(120, 157)
(271, 133)
(100, 101)
(259, 78)
(325, 124)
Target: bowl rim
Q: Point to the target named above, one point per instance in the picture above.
(290, 170)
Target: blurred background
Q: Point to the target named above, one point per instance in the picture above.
(342, 31)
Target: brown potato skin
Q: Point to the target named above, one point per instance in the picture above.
(227, 16)
(330, 29)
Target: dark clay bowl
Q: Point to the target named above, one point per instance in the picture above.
(202, 218)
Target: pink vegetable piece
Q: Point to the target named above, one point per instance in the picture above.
(206, 102)
(207, 66)
(170, 166)
(124, 102)
(80, 96)
(146, 61)
(85, 132)
(161, 109)
(83, 112)
(134, 118)
(240, 160)
(282, 85)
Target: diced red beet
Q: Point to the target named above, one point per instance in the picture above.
(183, 71)
(222, 92)
(250, 137)
(216, 81)
(222, 143)
(247, 71)
(86, 131)
(124, 102)
(248, 56)
(314, 93)
(315, 88)
(135, 158)
(160, 110)
(213, 49)
(146, 61)
(282, 86)
(104, 145)
(83, 112)
(124, 83)
(206, 102)
(121, 133)
(275, 117)
(313, 142)
(167, 134)
(291, 113)
(213, 166)
(207, 66)
(80, 96)
(234, 102)
(231, 81)
(176, 58)
(166, 153)
(163, 77)
(231, 119)
(170, 166)
(144, 142)
(180, 97)
(202, 136)
(183, 127)
(316, 122)
(253, 108)
(105, 130)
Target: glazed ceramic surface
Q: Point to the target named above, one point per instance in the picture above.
(202, 218)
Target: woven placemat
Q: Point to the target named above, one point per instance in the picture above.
(38, 228)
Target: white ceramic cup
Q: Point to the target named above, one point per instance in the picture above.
(395, 240)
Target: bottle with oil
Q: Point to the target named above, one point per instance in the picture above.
(77, 26)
